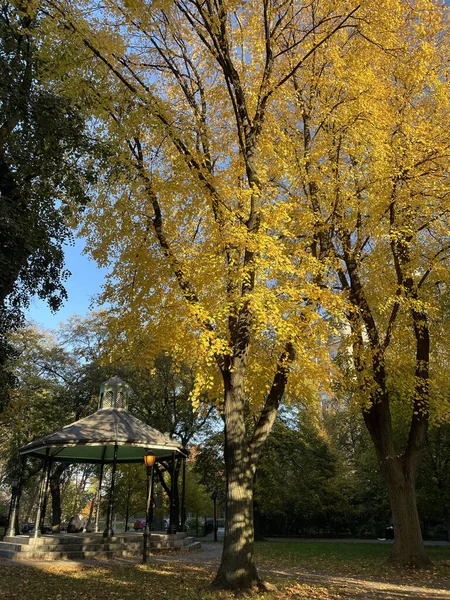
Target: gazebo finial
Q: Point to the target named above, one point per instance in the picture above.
(114, 393)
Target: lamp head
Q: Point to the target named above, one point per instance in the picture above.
(149, 460)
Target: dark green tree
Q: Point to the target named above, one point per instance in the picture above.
(130, 492)
(367, 512)
(162, 399)
(45, 163)
(433, 484)
(53, 387)
(210, 464)
(294, 480)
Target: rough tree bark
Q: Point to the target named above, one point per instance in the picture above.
(167, 467)
(399, 472)
(55, 491)
(408, 548)
(237, 568)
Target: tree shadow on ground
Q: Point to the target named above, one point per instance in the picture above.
(125, 580)
(367, 588)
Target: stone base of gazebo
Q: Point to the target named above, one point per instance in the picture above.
(76, 546)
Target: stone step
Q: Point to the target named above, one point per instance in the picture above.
(106, 546)
(10, 547)
(88, 554)
(90, 538)
(60, 547)
(189, 540)
(97, 544)
(80, 548)
(61, 555)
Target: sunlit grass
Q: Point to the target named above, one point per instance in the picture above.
(348, 559)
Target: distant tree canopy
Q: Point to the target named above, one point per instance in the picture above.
(44, 165)
(163, 399)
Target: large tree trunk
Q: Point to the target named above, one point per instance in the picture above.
(399, 468)
(400, 477)
(408, 549)
(173, 488)
(237, 568)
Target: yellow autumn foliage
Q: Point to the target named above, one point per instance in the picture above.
(355, 110)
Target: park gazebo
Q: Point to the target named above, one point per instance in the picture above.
(109, 436)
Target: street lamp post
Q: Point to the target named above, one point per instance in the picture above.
(149, 461)
(172, 529)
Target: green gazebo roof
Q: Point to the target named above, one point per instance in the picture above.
(92, 440)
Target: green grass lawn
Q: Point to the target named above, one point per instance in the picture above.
(332, 556)
(348, 558)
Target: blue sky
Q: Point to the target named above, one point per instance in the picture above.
(84, 283)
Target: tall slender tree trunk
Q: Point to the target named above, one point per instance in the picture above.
(55, 491)
(89, 526)
(127, 508)
(257, 523)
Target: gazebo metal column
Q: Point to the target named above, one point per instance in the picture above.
(172, 528)
(16, 492)
(109, 532)
(99, 492)
(45, 499)
(37, 530)
(183, 498)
